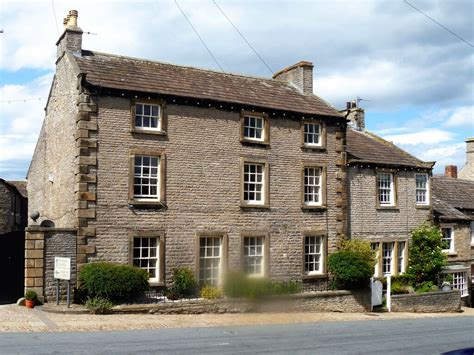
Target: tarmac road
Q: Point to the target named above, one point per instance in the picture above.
(412, 336)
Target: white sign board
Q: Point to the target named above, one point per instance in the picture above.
(62, 268)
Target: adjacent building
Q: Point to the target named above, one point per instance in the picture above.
(389, 194)
(163, 166)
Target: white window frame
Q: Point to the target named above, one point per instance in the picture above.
(451, 239)
(254, 255)
(314, 254)
(247, 126)
(472, 232)
(258, 183)
(387, 254)
(311, 138)
(460, 282)
(419, 190)
(401, 251)
(381, 178)
(147, 256)
(312, 186)
(147, 173)
(148, 117)
(207, 251)
(375, 247)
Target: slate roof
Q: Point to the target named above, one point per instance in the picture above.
(19, 185)
(456, 193)
(133, 74)
(366, 147)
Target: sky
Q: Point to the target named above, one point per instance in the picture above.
(414, 77)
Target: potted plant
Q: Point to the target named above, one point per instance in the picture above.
(30, 298)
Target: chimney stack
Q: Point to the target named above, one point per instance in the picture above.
(299, 74)
(71, 39)
(354, 115)
(470, 151)
(451, 171)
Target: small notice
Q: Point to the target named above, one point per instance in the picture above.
(62, 268)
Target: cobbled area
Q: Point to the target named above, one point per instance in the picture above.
(20, 319)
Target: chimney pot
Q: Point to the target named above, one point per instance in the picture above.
(348, 105)
(451, 171)
(72, 18)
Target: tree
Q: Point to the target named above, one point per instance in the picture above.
(426, 256)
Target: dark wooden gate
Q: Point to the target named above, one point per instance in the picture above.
(12, 260)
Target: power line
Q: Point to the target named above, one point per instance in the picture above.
(55, 18)
(23, 100)
(243, 37)
(197, 34)
(439, 24)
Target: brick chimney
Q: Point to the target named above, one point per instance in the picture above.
(71, 39)
(451, 171)
(300, 75)
(354, 115)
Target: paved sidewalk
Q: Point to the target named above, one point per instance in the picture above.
(20, 319)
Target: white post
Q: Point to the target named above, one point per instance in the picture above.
(371, 294)
(389, 295)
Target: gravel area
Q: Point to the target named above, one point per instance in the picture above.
(20, 319)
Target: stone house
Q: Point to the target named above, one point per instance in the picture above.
(13, 206)
(13, 220)
(162, 166)
(453, 204)
(389, 194)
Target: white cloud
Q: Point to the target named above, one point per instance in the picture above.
(428, 136)
(461, 116)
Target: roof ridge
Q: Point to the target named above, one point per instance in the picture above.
(384, 141)
(280, 82)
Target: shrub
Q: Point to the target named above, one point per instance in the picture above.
(98, 305)
(426, 255)
(240, 285)
(350, 269)
(31, 295)
(114, 282)
(184, 283)
(426, 286)
(210, 292)
(361, 247)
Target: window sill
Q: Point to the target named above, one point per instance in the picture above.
(395, 208)
(450, 253)
(314, 208)
(146, 204)
(314, 276)
(314, 148)
(247, 206)
(252, 142)
(148, 131)
(422, 207)
(156, 283)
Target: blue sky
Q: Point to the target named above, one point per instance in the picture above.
(415, 77)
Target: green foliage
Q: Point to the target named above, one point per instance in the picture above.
(184, 284)
(426, 256)
(210, 292)
(401, 284)
(98, 305)
(350, 269)
(240, 285)
(361, 247)
(117, 283)
(425, 286)
(31, 295)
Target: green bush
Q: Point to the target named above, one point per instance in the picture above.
(361, 247)
(184, 284)
(240, 285)
(98, 305)
(350, 269)
(426, 286)
(426, 256)
(117, 283)
(210, 292)
(31, 295)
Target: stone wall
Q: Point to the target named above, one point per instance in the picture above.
(462, 242)
(441, 301)
(41, 246)
(63, 244)
(329, 301)
(366, 221)
(203, 151)
(51, 175)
